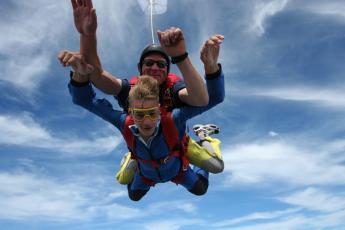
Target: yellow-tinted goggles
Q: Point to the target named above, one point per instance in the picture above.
(140, 114)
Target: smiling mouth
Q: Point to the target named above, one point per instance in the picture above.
(147, 128)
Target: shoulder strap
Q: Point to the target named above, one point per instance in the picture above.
(171, 79)
(127, 133)
(169, 129)
(133, 80)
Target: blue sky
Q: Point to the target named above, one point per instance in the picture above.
(282, 123)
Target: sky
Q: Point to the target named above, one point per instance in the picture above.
(282, 121)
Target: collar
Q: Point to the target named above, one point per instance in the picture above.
(134, 129)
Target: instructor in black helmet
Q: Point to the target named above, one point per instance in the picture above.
(154, 61)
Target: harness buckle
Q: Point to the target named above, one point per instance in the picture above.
(184, 167)
(165, 160)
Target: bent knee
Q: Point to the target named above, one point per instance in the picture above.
(200, 187)
(137, 194)
(213, 165)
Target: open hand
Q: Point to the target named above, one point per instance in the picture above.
(210, 52)
(85, 19)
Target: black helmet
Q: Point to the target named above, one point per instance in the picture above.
(153, 48)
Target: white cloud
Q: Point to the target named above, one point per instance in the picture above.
(290, 221)
(25, 131)
(184, 206)
(316, 200)
(117, 24)
(24, 196)
(258, 216)
(29, 41)
(282, 161)
(318, 96)
(273, 134)
(330, 8)
(34, 196)
(173, 224)
(264, 10)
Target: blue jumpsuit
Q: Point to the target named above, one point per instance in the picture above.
(155, 147)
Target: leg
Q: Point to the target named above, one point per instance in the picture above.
(201, 185)
(127, 170)
(195, 181)
(135, 194)
(137, 189)
(206, 153)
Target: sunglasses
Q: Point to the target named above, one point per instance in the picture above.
(140, 114)
(149, 62)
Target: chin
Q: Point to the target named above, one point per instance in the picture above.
(147, 133)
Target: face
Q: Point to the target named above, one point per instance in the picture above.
(159, 73)
(145, 114)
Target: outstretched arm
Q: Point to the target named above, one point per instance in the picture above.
(195, 93)
(85, 21)
(214, 78)
(83, 71)
(82, 92)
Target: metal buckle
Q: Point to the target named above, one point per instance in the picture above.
(166, 159)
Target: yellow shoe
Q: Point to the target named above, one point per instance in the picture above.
(127, 170)
(200, 156)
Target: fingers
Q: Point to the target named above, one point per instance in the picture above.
(62, 56)
(216, 40)
(73, 61)
(68, 58)
(213, 42)
(74, 4)
(88, 3)
(93, 16)
(79, 3)
(170, 36)
(83, 2)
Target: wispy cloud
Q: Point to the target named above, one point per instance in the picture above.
(26, 132)
(24, 196)
(173, 224)
(281, 161)
(328, 97)
(291, 222)
(264, 10)
(24, 59)
(43, 197)
(258, 216)
(326, 8)
(287, 219)
(316, 200)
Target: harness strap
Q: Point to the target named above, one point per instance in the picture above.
(185, 162)
(156, 163)
(127, 133)
(176, 148)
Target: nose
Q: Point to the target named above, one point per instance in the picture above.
(155, 66)
(147, 120)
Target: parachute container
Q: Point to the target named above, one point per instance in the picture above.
(153, 6)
